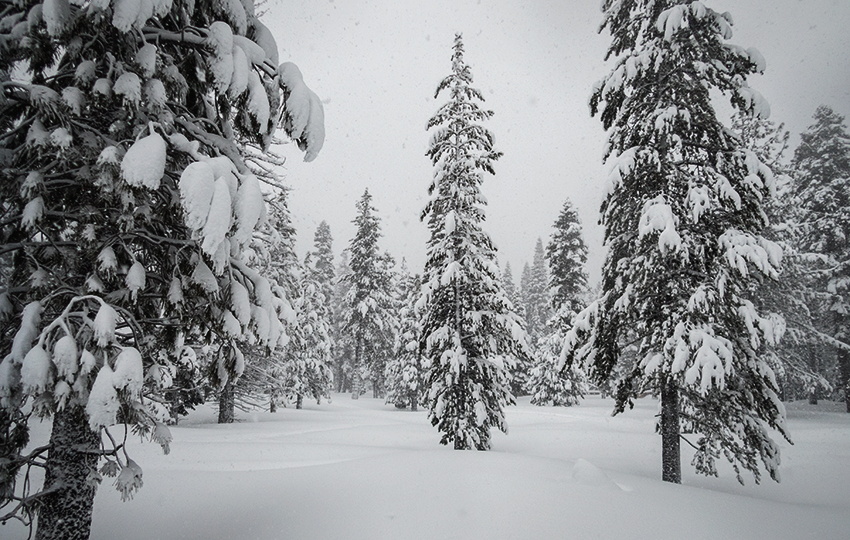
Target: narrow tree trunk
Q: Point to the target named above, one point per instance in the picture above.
(357, 383)
(273, 403)
(671, 461)
(65, 514)
(814, 362)
(225, 404)
(299, 401)
(844, 374)
(413, 399)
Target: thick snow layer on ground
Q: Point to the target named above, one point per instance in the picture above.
(364, 470)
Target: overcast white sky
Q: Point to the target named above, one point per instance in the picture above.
(376, 64)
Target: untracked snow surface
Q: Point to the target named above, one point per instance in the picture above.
(353, 470)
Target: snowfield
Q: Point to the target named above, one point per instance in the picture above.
(354, 470)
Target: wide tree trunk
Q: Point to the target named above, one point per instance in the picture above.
(226, 404)
(671, 461)
(65, 511)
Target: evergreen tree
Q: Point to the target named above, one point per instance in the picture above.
(273, 254)
(525, 294)
(368, 319)
(509, 286)
(539, 292)
(127, 208)
(795, 360)
(322, 258)
(405, 372)
(470, 334)
(567, 256)
(307, 362)
(821, 195)
(343, 354)
(683, 218)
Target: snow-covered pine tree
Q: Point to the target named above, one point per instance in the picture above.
(566, 254)
(126, 206)
(322, 259)
(793, 296)
(821, 195)
(525, 295)
(470, 333)
(538, 293)
(307, 360)
(368, 323)
(273, 254)
(404, 374)
(510, 286)
(684, 216)
(343, 354)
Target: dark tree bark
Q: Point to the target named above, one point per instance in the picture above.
(671, 462)
(844, 374)
(65, 512)
(226, 403)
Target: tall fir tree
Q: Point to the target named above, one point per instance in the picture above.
(539, 291)
(795, 296)
(369, 323)
(684, 216)
(322, 259)
(470, 334)
(307, 368)
(343, 353)
(127, 209)
(510, 286)
(821, 196)
(566, 254)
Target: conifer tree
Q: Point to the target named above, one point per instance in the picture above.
(796, 360)
(538, 294)
(343, 354)
(322, 258)
(368, 320)
(405, 372)
(306, 369)
(470, 334)
(127, 209)
(510, 286)
(821, 196)
(684, 217)
(567, 255)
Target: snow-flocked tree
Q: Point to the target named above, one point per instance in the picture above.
(368, 322)
(566, 254)
(127, 207)
(471, 336)
(510, 286)
(405, 376)
(684, 216)
(821, 198)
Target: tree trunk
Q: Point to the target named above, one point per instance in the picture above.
(413, 400)
(357, 380)
(299, 400)
(65, 514)
(844, 374)
(225, 404)
(671, 461)
(273, 404)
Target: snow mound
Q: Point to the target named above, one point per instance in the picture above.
(588, 474)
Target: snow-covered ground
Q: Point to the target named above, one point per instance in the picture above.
(354, 470)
